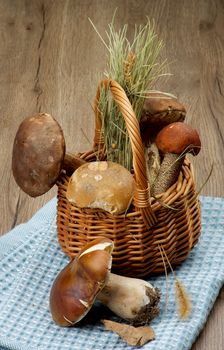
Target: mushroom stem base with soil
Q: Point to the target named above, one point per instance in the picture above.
(130, 298)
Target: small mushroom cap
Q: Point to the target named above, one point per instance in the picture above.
(178, 138)
(38, 153)
(77, 285)
(105, 185)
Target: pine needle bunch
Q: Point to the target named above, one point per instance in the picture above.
(135, 66)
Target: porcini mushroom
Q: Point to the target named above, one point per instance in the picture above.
(77, 285)
(88, 277)
(174, 142)
(39, 154)
(105, 185)
(159, 109)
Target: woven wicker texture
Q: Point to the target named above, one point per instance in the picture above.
(30, 259)
(173, 220)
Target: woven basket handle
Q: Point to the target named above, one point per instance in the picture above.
(142, 195)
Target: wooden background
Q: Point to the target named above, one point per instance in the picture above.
(51, 60)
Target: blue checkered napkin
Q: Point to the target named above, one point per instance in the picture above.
(30, 258)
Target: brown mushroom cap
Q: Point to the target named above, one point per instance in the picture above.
(38, 153)
(178, 138)
(77, 285)
(161, 109)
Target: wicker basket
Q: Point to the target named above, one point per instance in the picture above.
(172, 221)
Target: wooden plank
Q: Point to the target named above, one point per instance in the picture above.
(51, 60)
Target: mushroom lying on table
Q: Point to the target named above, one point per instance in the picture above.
(174, 142)
(88, 277)
(39, 154)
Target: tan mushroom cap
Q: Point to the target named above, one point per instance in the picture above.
(178, 138)
(105, 185)
(38, 153)
(78, 284)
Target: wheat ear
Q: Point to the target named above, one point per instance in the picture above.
(182, 298)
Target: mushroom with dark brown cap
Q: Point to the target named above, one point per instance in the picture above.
(39, 154)
(174, 142)
(159, 109)
(88, 277)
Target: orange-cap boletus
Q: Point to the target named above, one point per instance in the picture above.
(174, 142)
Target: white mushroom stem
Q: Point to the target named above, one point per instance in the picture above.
(152, 162)
(130, 298)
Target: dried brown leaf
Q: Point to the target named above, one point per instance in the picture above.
(134, 336)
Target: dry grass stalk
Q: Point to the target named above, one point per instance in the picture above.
(182, 298)
(165, 269)
(128, 67)
(135, 66)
